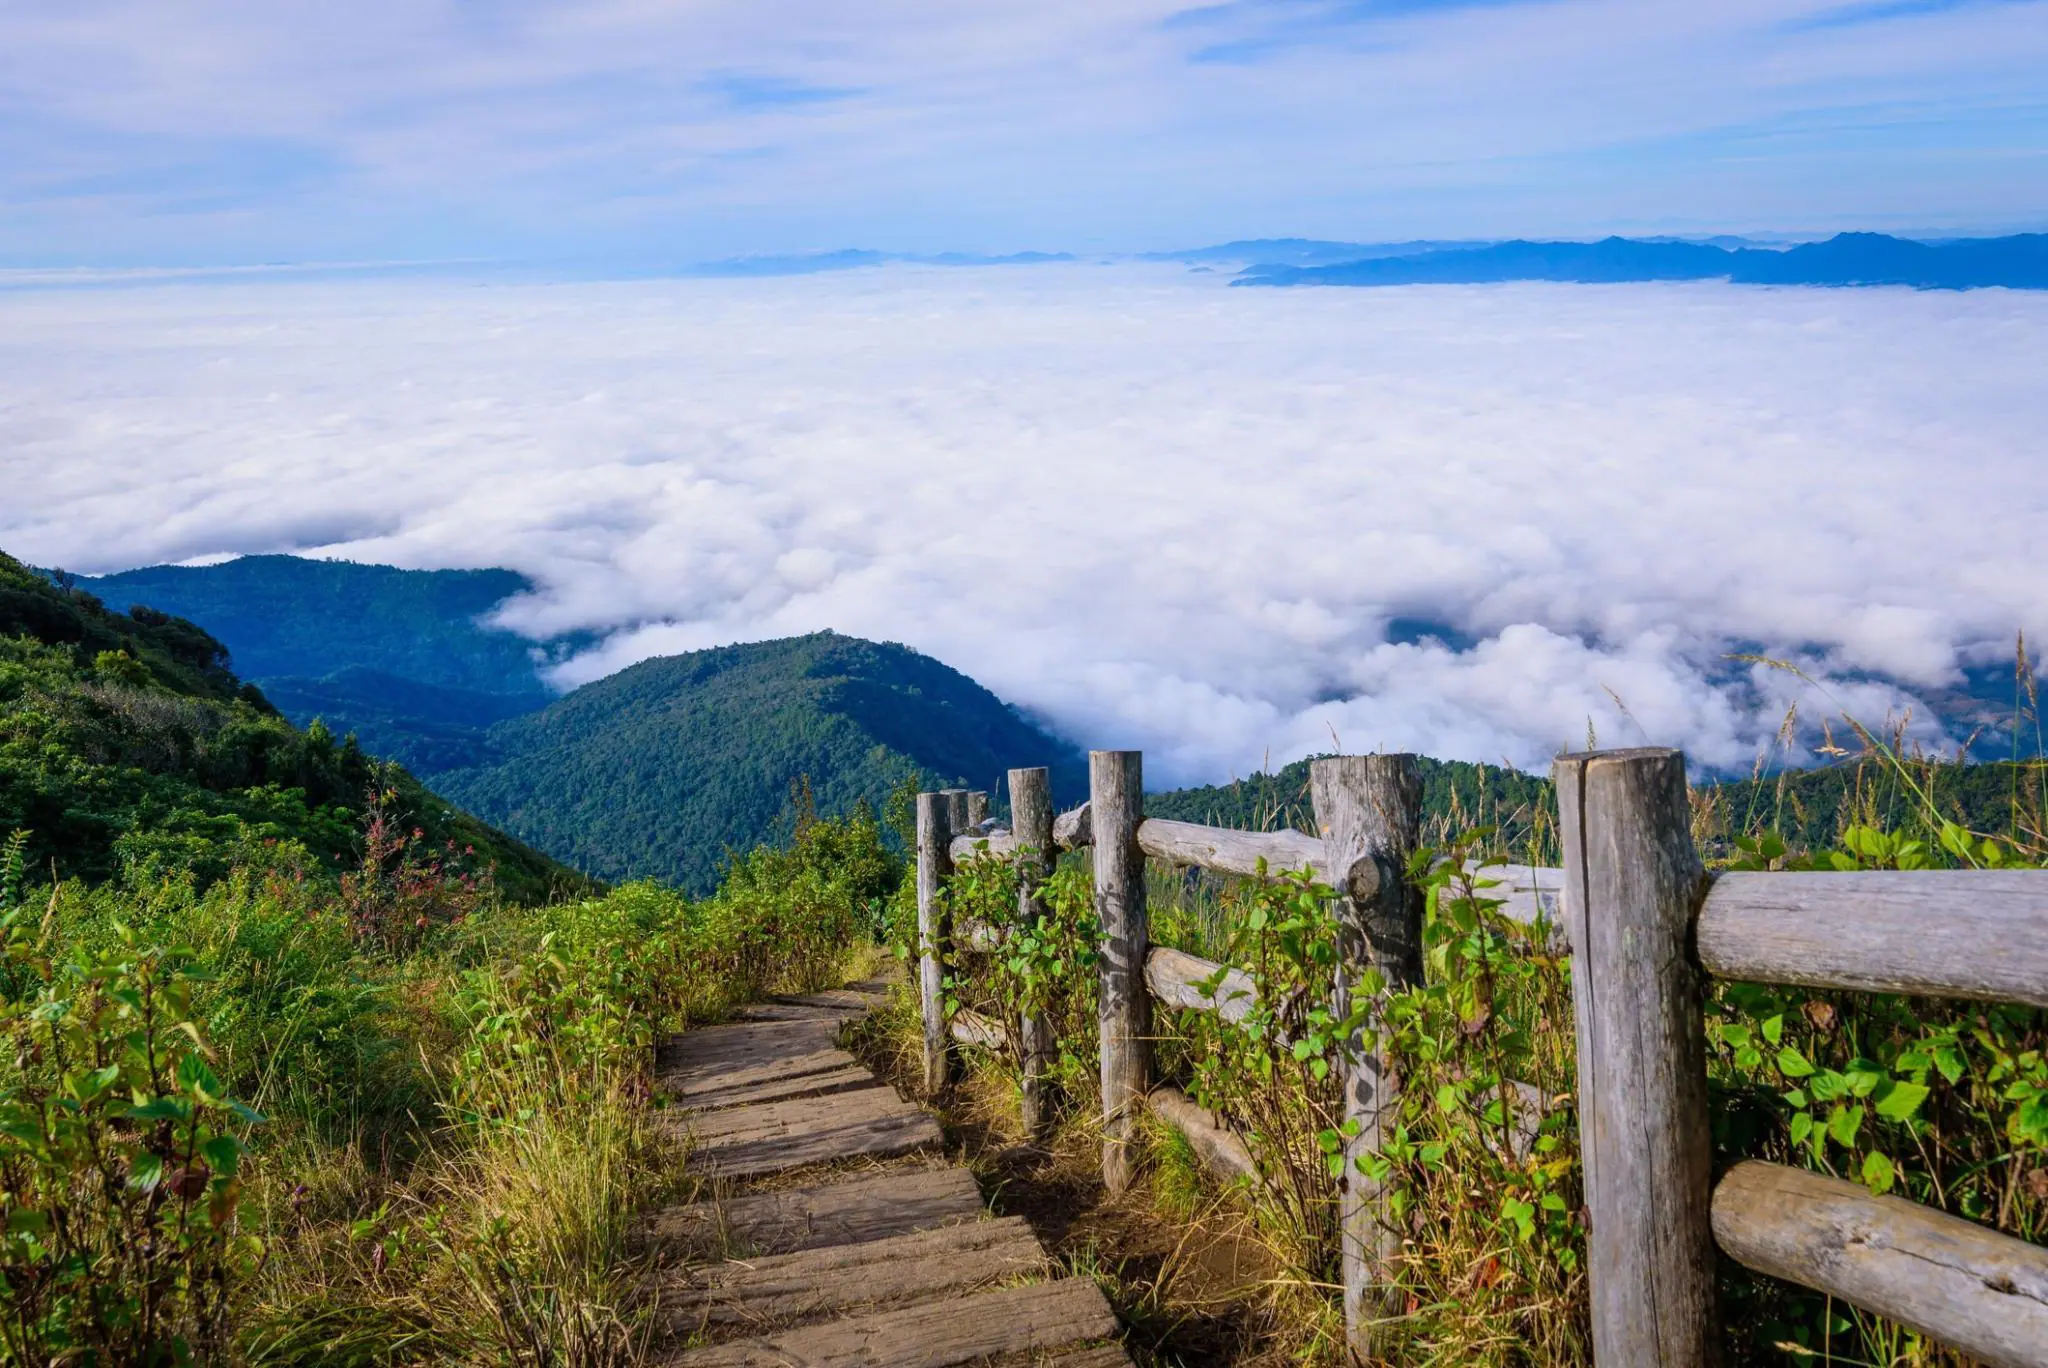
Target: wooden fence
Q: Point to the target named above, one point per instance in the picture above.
(1646, 925)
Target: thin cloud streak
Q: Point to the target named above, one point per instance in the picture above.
(719, 128)
(1214, 523)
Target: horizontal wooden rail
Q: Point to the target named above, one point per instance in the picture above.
(1176, 978)
(1984, 1293)
(1968, 933)
(1214, 1144)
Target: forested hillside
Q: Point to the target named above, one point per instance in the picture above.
(659, 769)
(405, 659)
(126, 739)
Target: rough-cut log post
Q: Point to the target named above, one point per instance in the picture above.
(1116, 802)
(1632, 884)
(956, 809)
(977, 808)
(1369, 811)
(934, 863)
(1031, 827)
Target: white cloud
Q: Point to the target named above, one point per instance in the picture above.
(1156, 511)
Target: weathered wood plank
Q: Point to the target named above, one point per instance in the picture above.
(853, 998)
(1967, 933)
(780, 1289)
(939, 1334)
(1174, 977)
(1369, 811)
(1116, 800)
(1220, 1150)
(710, 1047)
(790, 1011)
(783, 1089)
(774, 1137)
(977, 808)
(694, 1086)
(934, 865)
(755, 1156)
(871, 1206)
(1231, 852)
(1632, 880)
(1973, 1289)
(798, 1115)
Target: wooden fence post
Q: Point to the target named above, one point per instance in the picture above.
(1031, 824)
(1369, 812)
(1632, 884)
(956, 810)
(1116, 804)
(934, 863)
(977, 809)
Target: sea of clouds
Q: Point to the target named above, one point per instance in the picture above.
(1227, 526)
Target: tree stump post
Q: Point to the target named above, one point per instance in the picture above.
(1031, 823)
(934, 864)
(1116, 804)
(977, 809)
(1368, 809)
(956, 810)
(1633, 883)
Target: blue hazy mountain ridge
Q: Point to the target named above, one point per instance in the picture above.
(1303, 251)
(405, 659)
(1847, 259)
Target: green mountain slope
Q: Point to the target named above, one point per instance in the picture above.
(125, 737)
(661, 768)
(401, 658)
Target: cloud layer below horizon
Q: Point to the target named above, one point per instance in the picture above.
(1225, 526)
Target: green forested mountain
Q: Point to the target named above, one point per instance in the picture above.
(401, 658)
(661, 768)
(124, 737)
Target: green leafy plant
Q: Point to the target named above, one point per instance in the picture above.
(121, 1161)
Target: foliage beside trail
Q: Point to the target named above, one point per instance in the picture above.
(282, 1117)
(1942, 1102)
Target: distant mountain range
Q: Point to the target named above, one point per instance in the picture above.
(2018, 262)
(1301, 251)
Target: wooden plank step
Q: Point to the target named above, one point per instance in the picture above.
(687, 1084)
(791, 1011)
(793, 1117)
(776, 1137)
(866, 1207)
(853, 1001)
(839, 1080)
(936, 1334)
(782, 1289)
(745, 1042)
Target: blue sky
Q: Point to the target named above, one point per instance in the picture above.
(644, 131)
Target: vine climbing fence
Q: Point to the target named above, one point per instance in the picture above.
(1645, 925)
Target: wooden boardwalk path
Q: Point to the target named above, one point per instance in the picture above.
(835, 1237)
